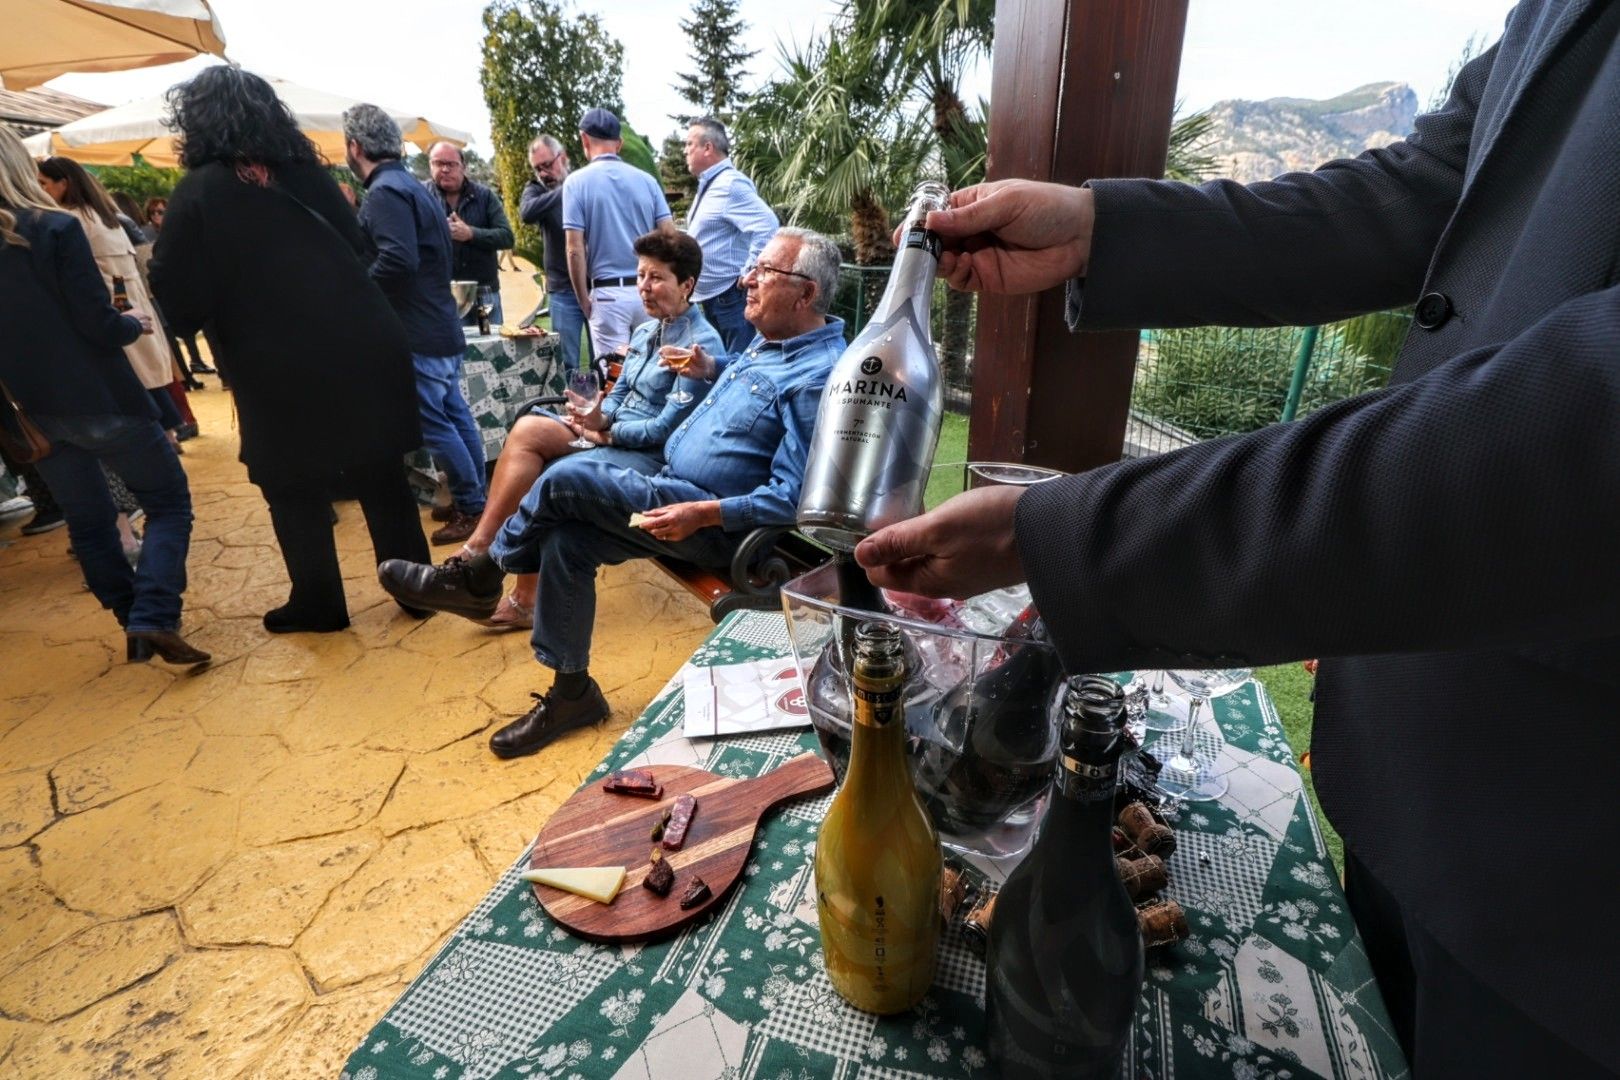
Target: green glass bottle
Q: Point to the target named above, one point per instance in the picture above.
(877, 858)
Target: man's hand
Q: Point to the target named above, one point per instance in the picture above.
(961, 549)
(1014, 236)
(143, 318)
(460, 231)
(701, 367)
(677, 521)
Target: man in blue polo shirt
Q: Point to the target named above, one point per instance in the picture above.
(735, 464)
(732, 225)
(606, 205)
(412, 267)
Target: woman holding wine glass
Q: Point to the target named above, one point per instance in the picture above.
(630, 422)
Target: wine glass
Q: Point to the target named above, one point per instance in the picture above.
(1156, 712)
(676, 350)
(486, 308)
(1188, 774)
(584, 390)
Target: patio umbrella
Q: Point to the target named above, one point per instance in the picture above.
(113, 136)
(47, 38)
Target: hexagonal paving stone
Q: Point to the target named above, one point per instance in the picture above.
(501, 833)
(143, 852)
(75, 720)
(319, 794)
(412, 892)
(268, 896)
(257, 710)
(460, 780)
(431, 726)
(86, 968)
(291, 657)
(14, 711)
(35, 920)
(320, 1041)
(142, 757)
(208, 1014)
(231, 764)
(25, 806)
(16, 870)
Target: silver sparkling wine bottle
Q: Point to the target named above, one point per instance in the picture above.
(878, 425)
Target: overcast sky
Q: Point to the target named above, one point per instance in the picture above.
(423, 55)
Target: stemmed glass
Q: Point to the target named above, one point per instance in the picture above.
(584, 390)
(676, 350)
(1156, 712)
(486, 307)
(1188, 775)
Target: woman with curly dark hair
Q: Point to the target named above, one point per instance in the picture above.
(259, 246)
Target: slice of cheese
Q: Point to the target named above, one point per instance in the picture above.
(599, 883)
(637, 520)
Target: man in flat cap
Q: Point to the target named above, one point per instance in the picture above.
(606, 205)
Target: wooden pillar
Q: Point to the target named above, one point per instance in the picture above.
(1079, 89)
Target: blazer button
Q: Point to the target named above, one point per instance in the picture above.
(1432, 311)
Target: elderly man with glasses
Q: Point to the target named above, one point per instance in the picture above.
(541, 207)
(479, 231)
(735, 464)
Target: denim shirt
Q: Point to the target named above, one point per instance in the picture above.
(749, 440)
(639, 405)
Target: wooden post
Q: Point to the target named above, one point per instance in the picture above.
(1079, 89)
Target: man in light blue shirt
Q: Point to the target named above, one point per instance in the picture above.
(732, 225)
(606, 205)
(735, 464)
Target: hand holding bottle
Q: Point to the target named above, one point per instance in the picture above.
(143, 318)
(962, 548)
(1014, 236)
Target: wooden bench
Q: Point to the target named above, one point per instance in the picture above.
(768, 558)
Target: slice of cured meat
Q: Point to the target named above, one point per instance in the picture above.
(633, 782)
(680, 820)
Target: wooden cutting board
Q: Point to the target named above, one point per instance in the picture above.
(599, 828)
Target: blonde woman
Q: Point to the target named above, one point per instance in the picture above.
(62, 360)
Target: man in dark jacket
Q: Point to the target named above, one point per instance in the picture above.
(479, 231)
(1447, 543)
(541, 207)
(412, 238)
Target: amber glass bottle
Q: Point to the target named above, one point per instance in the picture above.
(878, 859)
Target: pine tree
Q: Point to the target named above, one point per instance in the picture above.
(715, 30)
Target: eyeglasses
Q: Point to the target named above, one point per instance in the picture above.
(760, 270)
(540, 166)
(445, 164)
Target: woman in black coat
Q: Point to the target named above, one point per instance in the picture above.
(62, 360)
(259, 247)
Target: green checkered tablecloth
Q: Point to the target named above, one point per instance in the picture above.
(1274, 982)
(497, 376)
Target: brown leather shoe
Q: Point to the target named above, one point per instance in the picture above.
(551, 716)
(458, 528)
(440, 513)
(166, 645)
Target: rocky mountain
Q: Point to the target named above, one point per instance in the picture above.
(1257, 140)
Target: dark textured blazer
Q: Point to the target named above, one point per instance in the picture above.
(315, 355)
(1450, 545)
(61, 340)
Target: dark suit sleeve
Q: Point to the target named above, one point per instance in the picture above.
(1467, 509)
(1304, 249)
(497, 235)
(83, 290)
(538, 200)
(184, 279)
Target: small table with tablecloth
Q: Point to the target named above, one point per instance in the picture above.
(498, 376)
(1273, 983)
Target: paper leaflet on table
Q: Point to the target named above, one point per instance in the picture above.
(741, 699)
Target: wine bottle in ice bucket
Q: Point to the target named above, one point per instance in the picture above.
(878, 425)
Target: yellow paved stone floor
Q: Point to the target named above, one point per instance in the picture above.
(234, 872)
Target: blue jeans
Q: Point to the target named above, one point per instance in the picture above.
(449, 430)
(496, 318)
(576, 518)
(136, 449)
(725, 314)
(568, 320)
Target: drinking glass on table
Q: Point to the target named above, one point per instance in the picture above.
(1157, 715)
(583, 392)
(676, 352)
(1189, 774)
